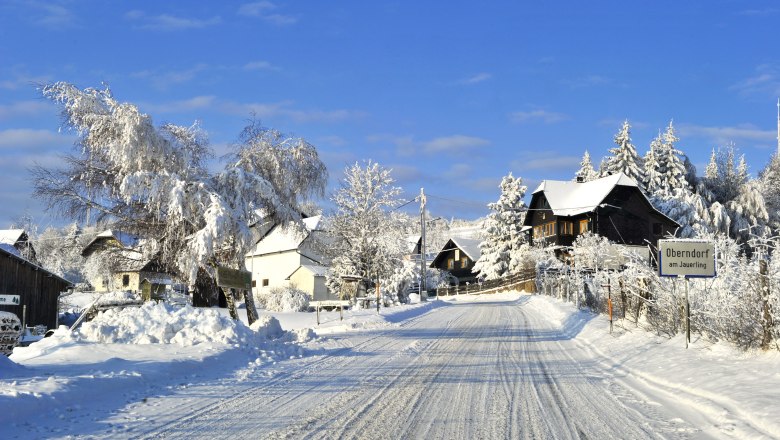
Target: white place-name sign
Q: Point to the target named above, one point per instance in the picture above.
(9, 300)
(686, 258)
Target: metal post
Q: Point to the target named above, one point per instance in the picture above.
(687, 316)
(318, 314)
(423, 293)
(377, 297)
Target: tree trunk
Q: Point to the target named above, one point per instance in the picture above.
(206, 292)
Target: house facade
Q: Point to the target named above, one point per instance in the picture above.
(458, 257)
(19, 240)
(128, 269)
(613, 207)
(289, 255)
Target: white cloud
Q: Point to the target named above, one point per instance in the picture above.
(765, 81)
(264, 11)
(26, 140)
(52, 16)
(456, 144)
(24, 108)
(724, 135)
(260, 65)
(23, 81)
(185, 105)
(588, 81)
(546, 161)
(537, 115)
(163, 80)
(167, 22)
(285, 109)
(478, 78)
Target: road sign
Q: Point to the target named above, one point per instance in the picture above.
(233, 278)
(9, 300)
(686, 258)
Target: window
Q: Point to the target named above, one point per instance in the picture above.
(567, 228)
(457, 254)
(464, 262)
(583, 226)
(125, 280)
(265, 282)
(254, 283)
(450, 263)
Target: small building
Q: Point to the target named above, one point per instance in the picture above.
(37, 289)
(613, 207)
(19, 240)
(290, 255)
(127, 268)
(458, 257)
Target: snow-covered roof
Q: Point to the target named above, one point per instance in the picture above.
(471, 232)
(10, 249)
(281, 239)
(123, 238)
(315, 269)
(469, 246)
(14, 253)
(10, 236)
(567, 198)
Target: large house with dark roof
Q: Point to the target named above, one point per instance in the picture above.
(458, 257)
(613, 207)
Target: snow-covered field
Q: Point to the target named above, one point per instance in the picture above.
(491, 366)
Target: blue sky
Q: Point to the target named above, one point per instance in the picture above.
(450, 95)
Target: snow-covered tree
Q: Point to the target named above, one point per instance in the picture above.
(671, 167)
(624, 158)
(653, 176)
(152, 181)
(502, 229)
(770, 188)
(586, 171)
(367, 240)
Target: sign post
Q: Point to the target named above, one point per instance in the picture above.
(240, 280)
(686, 258)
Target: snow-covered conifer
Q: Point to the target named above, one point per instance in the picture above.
(502, 238)
(586, 171)
(624, 158)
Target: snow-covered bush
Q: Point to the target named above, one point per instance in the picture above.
(284, 299)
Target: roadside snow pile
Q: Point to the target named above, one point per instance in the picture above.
(155, 323)
(118, 298)
(267, 327)
(285, 299)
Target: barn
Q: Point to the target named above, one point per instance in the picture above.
(37, 289)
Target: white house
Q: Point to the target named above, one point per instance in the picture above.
(287, 256)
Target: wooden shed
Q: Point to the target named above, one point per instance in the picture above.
(36, 287)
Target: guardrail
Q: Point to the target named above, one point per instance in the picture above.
(524, 280)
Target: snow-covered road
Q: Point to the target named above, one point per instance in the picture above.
(485, 369)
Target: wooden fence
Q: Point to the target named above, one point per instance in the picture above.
(525, 280)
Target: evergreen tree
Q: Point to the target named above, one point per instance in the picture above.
(670, 163)
(502, 238)
(653, 177)
(586, 171)
(624, 157)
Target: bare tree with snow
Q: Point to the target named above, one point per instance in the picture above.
(152, 181)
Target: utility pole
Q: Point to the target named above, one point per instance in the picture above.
(778, 126)
(423, 291)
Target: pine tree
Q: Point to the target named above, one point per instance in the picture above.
(586, 171)
(671, 166)
(653, 177)
(624, 157)
(502, 238)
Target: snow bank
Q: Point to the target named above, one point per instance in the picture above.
(155, 323)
